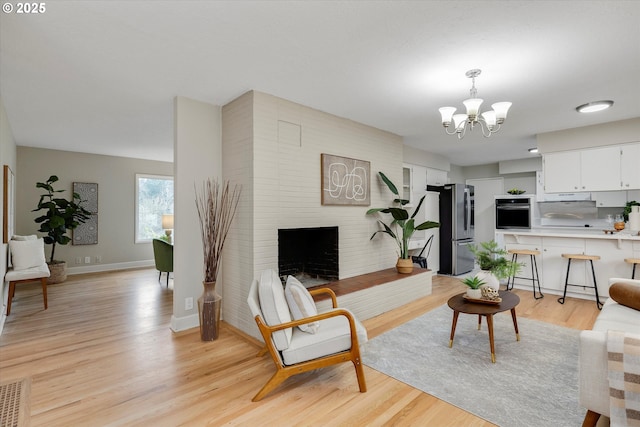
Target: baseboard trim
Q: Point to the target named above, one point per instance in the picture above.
(97, 268)
(179, 324)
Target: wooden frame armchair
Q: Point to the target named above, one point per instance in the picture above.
(337, 339)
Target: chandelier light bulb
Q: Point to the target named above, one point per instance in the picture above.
(473, 106)
(447, 114)
(459, 121)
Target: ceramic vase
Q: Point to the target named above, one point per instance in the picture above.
(489, 279)
(474, 293)
(209, 305)
(404, 265)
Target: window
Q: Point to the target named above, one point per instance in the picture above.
(154, 197)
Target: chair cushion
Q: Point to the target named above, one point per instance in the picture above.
(301, 304)
(333, 336)
(22, 238)
(274, 307)
(26, 253)
(626, 294)
(26, 274)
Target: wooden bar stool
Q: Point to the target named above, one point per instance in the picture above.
(582, 257)
(534, 270)
(634, 261)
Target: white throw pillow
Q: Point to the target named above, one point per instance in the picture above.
(26, 253)
(301, 304)
(22, 238)
(274, 307)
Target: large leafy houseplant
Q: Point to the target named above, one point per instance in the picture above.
(491, 257)
(59, 215)
(403, 225)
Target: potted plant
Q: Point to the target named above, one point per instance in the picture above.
(402, 227)
(216, 205)
(474, 283)
(59, 217)
(493, 265)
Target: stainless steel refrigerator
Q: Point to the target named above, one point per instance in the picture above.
(456, 228)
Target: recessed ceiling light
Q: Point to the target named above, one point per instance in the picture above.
(592, 107)
(533, 150)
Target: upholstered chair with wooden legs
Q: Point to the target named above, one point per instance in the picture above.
(331, 337)
(27, 265)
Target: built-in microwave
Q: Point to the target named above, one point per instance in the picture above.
(514, 212)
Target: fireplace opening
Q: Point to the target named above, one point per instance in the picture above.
(308, 254)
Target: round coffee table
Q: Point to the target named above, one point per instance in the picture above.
(460, 305)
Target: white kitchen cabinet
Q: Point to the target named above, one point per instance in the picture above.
(405, 192)
(437, 177)
(611, 263)
(630, 166)
(615, 167)
(609, 199)
(414, 183)
(555, 267)
(561, 172)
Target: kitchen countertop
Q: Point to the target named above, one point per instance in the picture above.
(574, 232)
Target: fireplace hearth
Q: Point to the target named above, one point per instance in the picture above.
(309, 254)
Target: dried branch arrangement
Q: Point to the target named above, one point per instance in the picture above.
(216, 207)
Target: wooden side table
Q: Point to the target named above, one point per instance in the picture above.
(460, 305)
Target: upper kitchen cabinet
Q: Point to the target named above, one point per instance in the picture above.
(630, 166)
(437, 177)
(596, 169)
(414, 182)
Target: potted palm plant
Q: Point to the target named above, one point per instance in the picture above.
(493, 264)
(402, 226)
(216, 205)
(59, 217)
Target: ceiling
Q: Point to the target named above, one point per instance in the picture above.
(100, 76)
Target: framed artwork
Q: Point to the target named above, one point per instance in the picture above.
(345, 181)
(87, 232)
(8, 204)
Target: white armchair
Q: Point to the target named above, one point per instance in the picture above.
(28, 264)
(593, 364)
(331, 337)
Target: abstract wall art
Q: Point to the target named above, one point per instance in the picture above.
(345, 181)
(87, 232)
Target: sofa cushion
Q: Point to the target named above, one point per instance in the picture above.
(26, 253)
(273, 305)
(617, 317)
(301, 304)
(626, 294)
(333, 336)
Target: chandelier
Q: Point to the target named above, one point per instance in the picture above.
(489, 121)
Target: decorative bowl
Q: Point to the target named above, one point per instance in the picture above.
(515, 191)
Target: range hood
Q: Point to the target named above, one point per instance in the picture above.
(568, 213)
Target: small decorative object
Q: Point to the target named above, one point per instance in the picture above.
(492, 262)
(515, 191)
(618, 223)
(216, 208)
(60, 216)
(402, 227)
(490, 294)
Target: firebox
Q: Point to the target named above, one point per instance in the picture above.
(309, 254)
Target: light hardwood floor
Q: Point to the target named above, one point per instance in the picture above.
(103, 354)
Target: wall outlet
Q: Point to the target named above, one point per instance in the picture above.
(87, 260)
(78, 260)
(188, 303)
(98, 258)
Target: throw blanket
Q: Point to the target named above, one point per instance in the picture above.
(624, 378)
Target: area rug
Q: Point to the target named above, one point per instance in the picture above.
(534, 381)
(14, 402)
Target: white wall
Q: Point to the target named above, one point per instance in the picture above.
(282, 188)
(197, 154)
(7, 157)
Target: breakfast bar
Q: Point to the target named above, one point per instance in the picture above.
(552, 242)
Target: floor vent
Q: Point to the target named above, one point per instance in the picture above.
(14, 406)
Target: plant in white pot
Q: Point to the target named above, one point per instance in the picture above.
(474, 283)
(58, 218)
(493, 264)
(402, 227)
(216, 205)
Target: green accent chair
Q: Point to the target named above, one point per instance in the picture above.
(163, 255)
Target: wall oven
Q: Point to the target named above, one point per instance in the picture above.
(514, 212)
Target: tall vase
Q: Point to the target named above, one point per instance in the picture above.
(209, 305)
